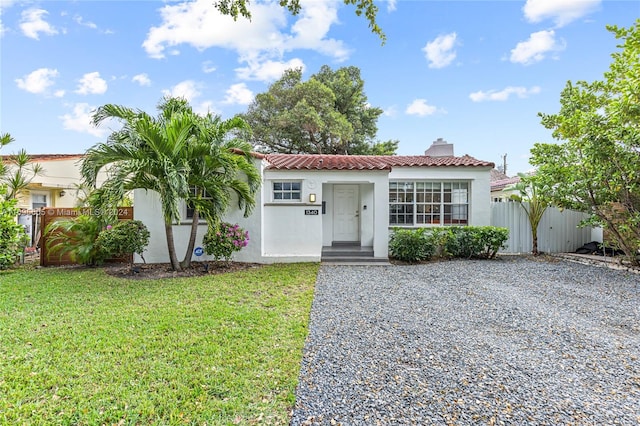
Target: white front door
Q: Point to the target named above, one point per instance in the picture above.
(346, 214)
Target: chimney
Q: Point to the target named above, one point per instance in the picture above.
(440, 148)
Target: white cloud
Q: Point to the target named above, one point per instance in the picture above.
(208, 67)
(201, 26)
(391, 111)
(561, 12)
(312, 26)
(504, 94)
(267, 70)
(32, 23)
(91, 84)
(142, 79)
(205, 107)
(238, 94)
(38, 81)
(535, 49)
(440, 52)
(80, 120)
(59, 93)
(391, 5)
(80, 21)
(421, 108)
(186, 89)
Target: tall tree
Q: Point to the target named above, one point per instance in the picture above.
(596, 168)
(179, 155)
(327, 114)
(368, 8)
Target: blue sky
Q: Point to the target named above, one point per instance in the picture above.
(475, 73)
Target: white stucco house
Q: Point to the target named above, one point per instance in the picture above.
(308, 202)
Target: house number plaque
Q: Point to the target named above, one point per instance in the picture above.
(311, 212)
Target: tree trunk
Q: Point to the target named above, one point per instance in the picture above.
(168, 228)
(186, 262)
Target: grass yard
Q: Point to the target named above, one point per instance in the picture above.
(80, 347)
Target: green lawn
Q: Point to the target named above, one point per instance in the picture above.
(80, 347)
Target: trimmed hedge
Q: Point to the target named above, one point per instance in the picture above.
(415, 245)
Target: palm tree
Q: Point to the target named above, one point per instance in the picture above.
(531, 197)
(171, 154)
(18, 172)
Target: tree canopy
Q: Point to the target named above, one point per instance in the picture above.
(596, 168)
(327, 114)
(239, 8)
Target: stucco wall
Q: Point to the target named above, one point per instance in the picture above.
(58, 175)
(289, 233)
(282, 232)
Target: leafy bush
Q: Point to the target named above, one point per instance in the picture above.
(223, 240)
(463, 242)
(76, 237)
(124, 238)
(11, 233)
(493, 238)
(415, 245)
(411, 245)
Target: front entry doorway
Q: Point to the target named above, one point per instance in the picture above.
(346, 213)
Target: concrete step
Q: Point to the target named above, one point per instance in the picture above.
(355, 260)
(347, 253)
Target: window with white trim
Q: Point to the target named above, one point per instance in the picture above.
(418, 203)
(287, 191)
(196, 192)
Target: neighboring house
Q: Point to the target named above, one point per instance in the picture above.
(308, 202)
(55, 187)
(499, 181)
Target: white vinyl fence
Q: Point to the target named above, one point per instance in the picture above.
(558, 231)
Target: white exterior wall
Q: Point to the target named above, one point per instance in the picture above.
(479, 189)
(291, 235)
(282, 232)
(58, 175)
(147, 208)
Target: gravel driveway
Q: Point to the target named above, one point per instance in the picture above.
(510, 341)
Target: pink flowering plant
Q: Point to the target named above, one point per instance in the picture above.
(225, 239)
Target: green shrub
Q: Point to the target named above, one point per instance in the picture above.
(411, 245)
(414, 245)
(11, 233)
(124, 238)
(223, 240)
(463, 242)
(493, 238)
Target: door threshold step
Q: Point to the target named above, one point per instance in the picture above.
(354, 261)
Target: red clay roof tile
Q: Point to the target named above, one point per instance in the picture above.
(366, 162)
(47, 157)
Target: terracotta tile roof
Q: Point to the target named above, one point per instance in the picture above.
(48, 157)
(427, 161)
(326, 162)
(366, 162)
(499, 185)
(497, 175)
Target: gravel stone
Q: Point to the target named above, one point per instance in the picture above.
(510, 341)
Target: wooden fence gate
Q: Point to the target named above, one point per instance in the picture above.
(52, 214)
